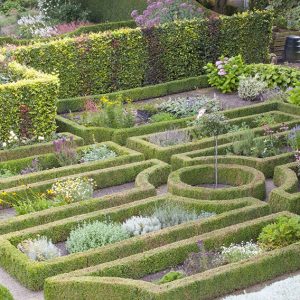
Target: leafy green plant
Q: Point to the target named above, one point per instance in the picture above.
(294, 138)
(267, 119)
(225, 73)
(237, 252)
(162, 117)
(39, 249)
(171, 276)
(294, 95)
(93, 235)
(96, 152)
(6, 173)
(285, 231)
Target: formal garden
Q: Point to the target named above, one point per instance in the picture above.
(149, 150)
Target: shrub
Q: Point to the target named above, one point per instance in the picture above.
(73, 190)
(170, 138)
(93, 235)
(251, 88)
(6, 173)
(237, 252)
(171, 276)
(189, 106)
(39, 249)
(162, 117)
(171, 214)
(283, 232)
(95, 152)
(141, 225)
(65, 151)
(225, 73)
(160, 12)
(5, 293)
(294, 138)
(294, 95)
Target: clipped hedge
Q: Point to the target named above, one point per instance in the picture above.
(265, 165)
(286, 196)
(243, 181)
(52, 169)
(123, 277)
(5, 293)
(35, 149)
(147, 176)
(28, 103)
(32, 274)
(123, 59)
(287, 113)
(140, 93)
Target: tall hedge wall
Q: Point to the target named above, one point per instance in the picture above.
(28, 103)
(129, 58)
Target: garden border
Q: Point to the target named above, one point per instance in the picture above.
(32, 274)
(86, 283)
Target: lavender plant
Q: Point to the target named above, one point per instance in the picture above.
(65, 151)
(33, 167)
(170, 138)
(165, 11)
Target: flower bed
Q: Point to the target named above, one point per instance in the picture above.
(242, 181)
(249, 115)
(286, 196)
(49, 167)
(127, 273)
(147, 175)
(32, 274)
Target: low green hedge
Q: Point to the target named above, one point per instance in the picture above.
(28, 102)
(53, 170)
(237, 116)
(286, 196)
(147, 176)
(140, 93)
(32, 274)
(265, 165)
(35, 149)
(5, 293)
(244, 182)
(122, 277)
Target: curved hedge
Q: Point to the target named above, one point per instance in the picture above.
(287, 195)
(124, 59)
(5, 293)
(245, 182)
(123, 277)
(32, 274)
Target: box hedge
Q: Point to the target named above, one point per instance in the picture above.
(32, 274)
(123, 277)
(123, 59)
(5, 293)
(52, 169)
(147, 175)
(28, 102)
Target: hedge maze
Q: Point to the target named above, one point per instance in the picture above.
(186, 174)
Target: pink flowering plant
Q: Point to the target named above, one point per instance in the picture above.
(225, 73)
(165, 11)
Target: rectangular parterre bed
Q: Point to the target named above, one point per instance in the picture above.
(121, 278)
(51, 168)
(284, 113)
(287, 195)
(35, 149)
(205, 156)
(146, 174)
(32, 274)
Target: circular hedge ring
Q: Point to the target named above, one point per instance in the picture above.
(242, 181)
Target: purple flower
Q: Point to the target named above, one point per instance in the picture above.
(219, 62)
(222, 72)
(134, 13)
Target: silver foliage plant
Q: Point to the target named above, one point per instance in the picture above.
(251, 88)
(95, 234)
(95, 152)
(39, 249)
(189, 106)
(170, 138)
(138, 225)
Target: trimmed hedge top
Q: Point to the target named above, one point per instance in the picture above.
(129, 58)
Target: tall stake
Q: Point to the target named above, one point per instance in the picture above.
(216, 161)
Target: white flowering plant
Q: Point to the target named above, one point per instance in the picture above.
(72, 190)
